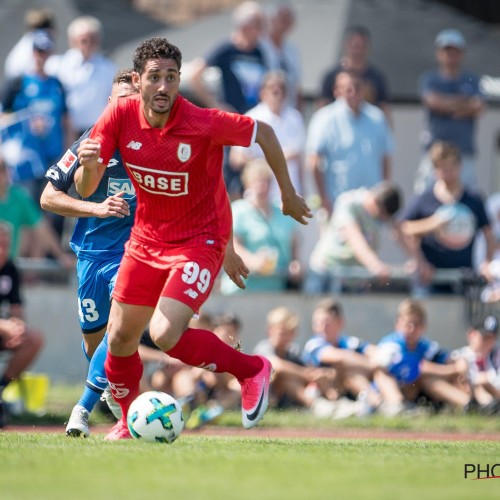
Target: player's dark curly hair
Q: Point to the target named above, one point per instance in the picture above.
(155, 48)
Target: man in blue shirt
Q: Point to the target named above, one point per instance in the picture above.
(349, 142)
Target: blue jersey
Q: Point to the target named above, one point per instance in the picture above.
(44, 100)
(317, 344)
(403, 364)
(94, 238)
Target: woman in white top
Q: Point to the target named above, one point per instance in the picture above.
(288, 126)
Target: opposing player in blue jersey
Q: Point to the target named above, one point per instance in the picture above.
(103, 226)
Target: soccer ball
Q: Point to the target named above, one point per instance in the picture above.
(156, 417)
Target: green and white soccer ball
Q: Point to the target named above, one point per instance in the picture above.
(155, 416)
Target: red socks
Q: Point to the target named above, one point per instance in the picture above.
(204, 349)
(124, 375)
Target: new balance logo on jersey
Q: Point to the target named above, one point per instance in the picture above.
(112, 163)
(67, 161)
(161, 182)
(191, 293)
(119, 392)
(118, 185)
(134, 145)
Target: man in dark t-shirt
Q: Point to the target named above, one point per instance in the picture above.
(445, 219)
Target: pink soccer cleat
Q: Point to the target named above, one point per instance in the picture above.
(255, 395)
(118, 431)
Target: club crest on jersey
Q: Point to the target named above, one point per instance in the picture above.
(184, 152)
(67, 161)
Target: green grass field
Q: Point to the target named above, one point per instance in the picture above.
(61, 399)
(48, 465)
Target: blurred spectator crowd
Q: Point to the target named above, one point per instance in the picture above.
(336, 375)
(339, 151)
(340, 158)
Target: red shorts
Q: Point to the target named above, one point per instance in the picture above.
(186, 274)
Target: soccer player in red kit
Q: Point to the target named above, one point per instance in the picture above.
(173, 152)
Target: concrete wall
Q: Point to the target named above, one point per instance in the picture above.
(53, 309)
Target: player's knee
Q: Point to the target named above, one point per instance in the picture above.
(165, 339)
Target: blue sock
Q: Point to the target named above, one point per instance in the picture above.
(96, 377)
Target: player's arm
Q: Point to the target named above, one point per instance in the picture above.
(58, 202)
(234, 266)
(88, 177)
(293, 204)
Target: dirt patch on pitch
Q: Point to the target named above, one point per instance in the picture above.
(280, 433)
(295, 433)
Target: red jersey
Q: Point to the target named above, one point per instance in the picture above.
(176, 170)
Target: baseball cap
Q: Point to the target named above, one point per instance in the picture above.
(42, 41)
(450, 38)
(489, 325)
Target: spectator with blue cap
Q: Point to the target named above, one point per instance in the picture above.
(453, 103)
(450, 38)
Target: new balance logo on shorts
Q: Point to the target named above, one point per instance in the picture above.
(191, 293)
(134, 145)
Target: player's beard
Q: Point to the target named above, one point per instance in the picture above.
(161, 109)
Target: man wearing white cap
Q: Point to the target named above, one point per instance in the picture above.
(453, 102)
